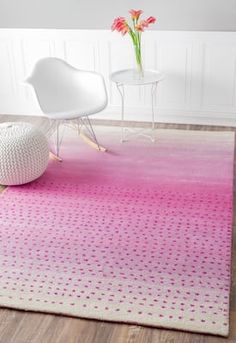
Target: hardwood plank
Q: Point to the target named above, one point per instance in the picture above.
(28, 327)
(24, 332)
(9, 323)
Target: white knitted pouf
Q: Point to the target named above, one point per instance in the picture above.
(24, 153)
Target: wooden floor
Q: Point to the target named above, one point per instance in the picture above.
(27, 327)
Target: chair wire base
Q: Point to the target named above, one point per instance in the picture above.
(53, 126)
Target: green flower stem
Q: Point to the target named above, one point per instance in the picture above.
(136, 38)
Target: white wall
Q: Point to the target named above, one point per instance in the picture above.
(200, 68)
(203, 15)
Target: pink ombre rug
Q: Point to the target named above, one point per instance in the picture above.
(141, 234)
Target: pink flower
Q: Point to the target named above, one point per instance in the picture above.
(141, 26)
(120, 25)
(151, 20)
(135, 14)
(144, 23)
(125, 30)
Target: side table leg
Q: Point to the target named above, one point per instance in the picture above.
(122, 94)
(153, 94)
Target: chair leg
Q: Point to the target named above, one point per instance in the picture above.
(58, 141)
(58, 138)
(55, 157)
(92, 132)
(91, 139)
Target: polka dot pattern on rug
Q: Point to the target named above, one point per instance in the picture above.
(157, 254)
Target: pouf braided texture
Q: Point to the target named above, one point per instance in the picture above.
(24, 153)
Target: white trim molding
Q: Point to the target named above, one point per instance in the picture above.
(200, 70)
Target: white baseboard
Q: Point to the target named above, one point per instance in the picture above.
(170, 116)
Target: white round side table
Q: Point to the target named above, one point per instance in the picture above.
(131, 77)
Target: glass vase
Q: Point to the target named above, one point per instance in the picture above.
(138, 57)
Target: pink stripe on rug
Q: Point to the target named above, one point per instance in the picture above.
(141, 234)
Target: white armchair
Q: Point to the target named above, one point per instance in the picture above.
(66, 94)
